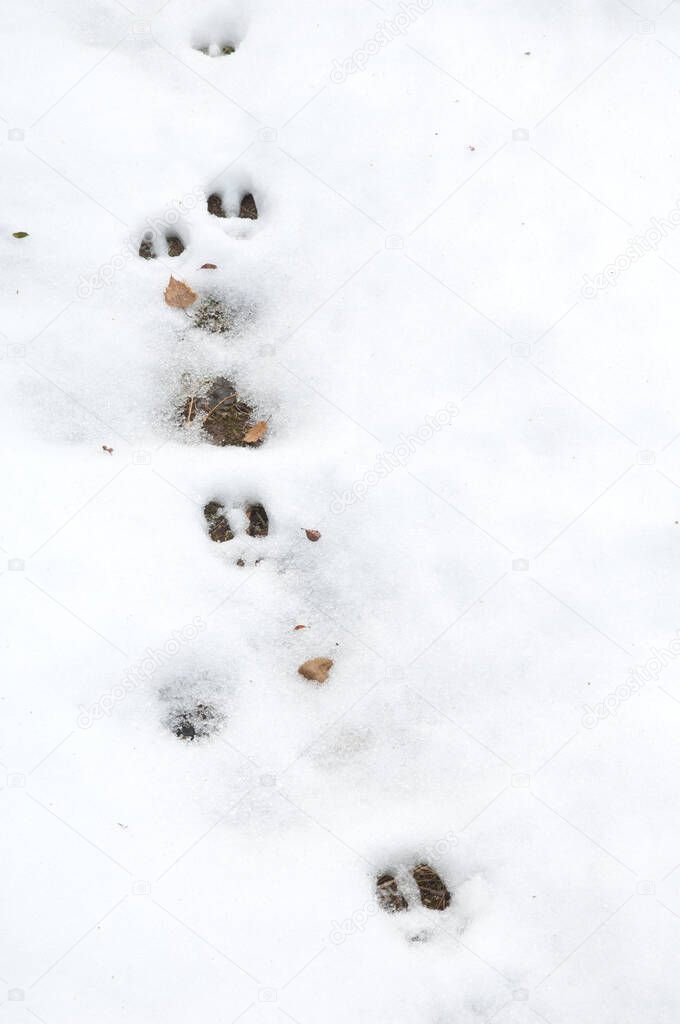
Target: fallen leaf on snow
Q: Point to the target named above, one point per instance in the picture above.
(20, 234)
(299, 627)
(316, 669)
(256, 433)
(208, 266)
(108, 450)
(313, 535)
(179, 294)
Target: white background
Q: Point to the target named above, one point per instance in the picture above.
(429, 206)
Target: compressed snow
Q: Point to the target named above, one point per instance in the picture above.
(457, 313)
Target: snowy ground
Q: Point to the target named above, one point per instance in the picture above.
(463, 287)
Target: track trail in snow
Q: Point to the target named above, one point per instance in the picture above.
(218, 409)
(224, 419)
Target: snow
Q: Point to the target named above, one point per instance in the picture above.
(470, 388)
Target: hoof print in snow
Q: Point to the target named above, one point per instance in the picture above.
(390, 897)
(147, 249)
(216, 49)
(258, 521)
(433, 892)
(218, 524)
(248, 209)
(316, 669)
(224, 418)
(195, 722)
(430, 889)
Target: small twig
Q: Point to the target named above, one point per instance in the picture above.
(189, 416)
(227, 398)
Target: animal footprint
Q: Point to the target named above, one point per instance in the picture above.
(217, 49)
(247, 208)
(429, 889)
(222, 415)
(224, 203)
(219, 528)
(147, 248)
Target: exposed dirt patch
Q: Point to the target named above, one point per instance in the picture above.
(216, 316)
(258, 521)
(218, 524)
(223, 416)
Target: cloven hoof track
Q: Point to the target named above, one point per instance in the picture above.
(224, 418)
(216, 49)
(432, 890)
(147, 248)
(195, 722)
(247, 208)
(219, 528)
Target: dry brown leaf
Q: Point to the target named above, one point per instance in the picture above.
(299, 627)
(108, 450)
(208, 266)
(316, 669)
(256, 432)
(179, 294)
(313, 535)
